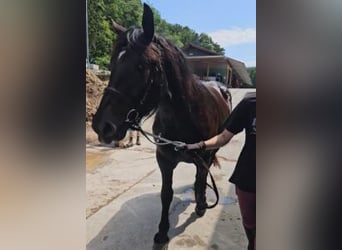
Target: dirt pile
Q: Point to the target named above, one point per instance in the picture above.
(94, 88)
(94, 91)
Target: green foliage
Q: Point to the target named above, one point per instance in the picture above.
(125, 12)
(97, 30)
(205, 41)
(182, 35)
(252, 73)
(101, 36)
(129, 13)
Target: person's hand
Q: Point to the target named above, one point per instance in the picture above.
(195, 146)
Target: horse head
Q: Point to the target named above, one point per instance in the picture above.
(136, 81)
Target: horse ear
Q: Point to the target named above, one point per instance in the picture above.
(148, 25)
(117, 28)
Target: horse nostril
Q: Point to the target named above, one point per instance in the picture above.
(109, 129)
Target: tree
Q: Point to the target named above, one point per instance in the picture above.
(206, 41)
(96, 17)
(101, 37)
(125, 12)
(252, 74)
(129, 13)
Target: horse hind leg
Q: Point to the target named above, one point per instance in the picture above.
(200, 189)
(166, 169)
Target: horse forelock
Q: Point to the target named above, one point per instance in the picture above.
(133, 35)
(129, 40)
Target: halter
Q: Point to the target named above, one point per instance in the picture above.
(133, 115)
(112, 90)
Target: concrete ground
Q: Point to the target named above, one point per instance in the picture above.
(123, 203)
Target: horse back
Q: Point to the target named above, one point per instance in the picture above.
(220, 88)
(212, 107)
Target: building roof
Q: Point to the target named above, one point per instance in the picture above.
(241, 70)
(220, 59)
(238, 67)
(204, 50)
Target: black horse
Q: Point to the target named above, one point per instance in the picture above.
(150, 75)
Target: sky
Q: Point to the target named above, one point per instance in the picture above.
(231, 24)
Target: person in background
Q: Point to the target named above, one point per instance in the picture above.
(243, 117)
(131, 137)
(219, 78)
(123, 144)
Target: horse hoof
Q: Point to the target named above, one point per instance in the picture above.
(161, 238)
(200, 212)
(138, 143)
(160, 246)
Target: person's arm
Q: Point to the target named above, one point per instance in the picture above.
(212, 143)
(218, 140)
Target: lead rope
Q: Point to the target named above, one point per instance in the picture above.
(214, 187)
(159, 140)
(196, 159)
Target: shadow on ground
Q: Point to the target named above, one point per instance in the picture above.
(228, 232)
(134, 226)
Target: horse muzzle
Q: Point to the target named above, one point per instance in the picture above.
(107, 132)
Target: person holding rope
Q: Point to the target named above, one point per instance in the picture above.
(244, 175)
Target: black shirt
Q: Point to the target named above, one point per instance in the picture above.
(244, 117)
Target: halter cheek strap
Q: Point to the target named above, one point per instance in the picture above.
(133, 115)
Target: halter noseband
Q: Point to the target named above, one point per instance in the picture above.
(114, 91)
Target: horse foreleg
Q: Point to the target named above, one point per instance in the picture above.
(200, 187)
(166, 169)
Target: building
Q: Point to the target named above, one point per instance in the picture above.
(208, 66)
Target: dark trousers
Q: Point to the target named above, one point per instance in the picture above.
(247, 203)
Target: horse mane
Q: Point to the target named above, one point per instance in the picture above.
(177, 69)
